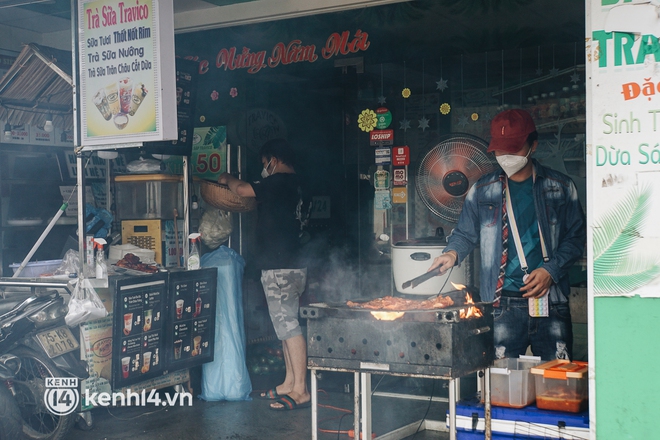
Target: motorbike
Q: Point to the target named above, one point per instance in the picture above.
(11, 423)
(33, 330)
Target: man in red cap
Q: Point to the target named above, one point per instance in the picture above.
(529, 225)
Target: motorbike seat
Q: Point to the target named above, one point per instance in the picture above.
(12, 300)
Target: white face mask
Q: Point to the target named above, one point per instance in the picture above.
(511, 163)
(264, 172)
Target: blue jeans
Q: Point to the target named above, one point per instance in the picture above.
(550, 337)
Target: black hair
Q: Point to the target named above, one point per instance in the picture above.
(278, 148)
(532, 137)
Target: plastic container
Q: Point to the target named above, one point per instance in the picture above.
(36, 268)
(512, 383)
(148, 196)
(117, 252)
(519, 423)
(561, 385)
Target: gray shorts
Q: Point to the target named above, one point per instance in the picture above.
(283, 288)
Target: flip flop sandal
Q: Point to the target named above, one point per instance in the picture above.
(271, 394)
(288, 404)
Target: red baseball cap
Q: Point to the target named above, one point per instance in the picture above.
(509, 130)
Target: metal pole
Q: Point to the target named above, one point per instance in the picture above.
(356, 403)
(186, 212)
(365, 396)
(487, 408)
(315, 414)
(452, 409)
(80, 177)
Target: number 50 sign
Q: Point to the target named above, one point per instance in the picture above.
(209, 152)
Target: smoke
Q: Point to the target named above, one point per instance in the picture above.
(336, 274)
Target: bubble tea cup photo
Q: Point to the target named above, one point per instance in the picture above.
(125, 366)
(101, 103)
(146, 362)
(128, 323)
(125, 94)
(147, 320)
(112, 95)
(197, 346)
(179, 308)
(177, 349)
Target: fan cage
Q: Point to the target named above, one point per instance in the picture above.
(461, 153)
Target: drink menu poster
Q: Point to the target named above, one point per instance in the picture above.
(139, 313)
(127, 79)
(191, 328)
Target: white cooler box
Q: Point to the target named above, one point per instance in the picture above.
(412, 258)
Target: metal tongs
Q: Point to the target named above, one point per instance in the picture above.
(420, 279)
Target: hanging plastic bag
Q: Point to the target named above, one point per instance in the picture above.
(215, 227)
(84, 305)
(227, 377)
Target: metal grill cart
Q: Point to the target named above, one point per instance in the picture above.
(436, 343)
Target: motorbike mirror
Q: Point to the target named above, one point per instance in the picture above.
(9, 366)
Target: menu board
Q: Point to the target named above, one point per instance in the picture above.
(186, 95)
(190, 331)
(126, 71)
(139, 313)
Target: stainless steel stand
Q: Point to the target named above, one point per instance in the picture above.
(362, 407)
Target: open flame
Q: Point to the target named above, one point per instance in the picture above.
(470, 312)
(387, 316)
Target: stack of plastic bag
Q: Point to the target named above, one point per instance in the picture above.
(227, 377)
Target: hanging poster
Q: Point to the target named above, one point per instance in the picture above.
(623, 157)
(209, 152)
(127, 72)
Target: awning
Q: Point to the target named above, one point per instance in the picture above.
(39, 83)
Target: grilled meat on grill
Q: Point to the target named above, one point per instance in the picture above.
(394, 303)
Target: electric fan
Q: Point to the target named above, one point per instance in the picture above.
(448, 171)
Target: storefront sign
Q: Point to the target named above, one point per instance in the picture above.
(39, 136)
(381, 137)
(400, 177)
(127, 74)
(400, 156)
(382, 179)
(294, 51)
(383, 156)
(20, 134)
(400, 195)
(624, 154)
(383, 118)
(382, 199)
(209, 152)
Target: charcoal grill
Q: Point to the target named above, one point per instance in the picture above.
(433, 343)
(436, 342)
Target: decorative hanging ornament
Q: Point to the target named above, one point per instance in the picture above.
(405, 93)
(404, 124)
(233, 92)
(462, 121)
(474, 116)
(382, 100)
(367, 120)
(445, 108)
(441, 85)
(214, 95)
(423, 123)
(575, 78)
(384, 118)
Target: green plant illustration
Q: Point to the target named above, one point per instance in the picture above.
(619, 267)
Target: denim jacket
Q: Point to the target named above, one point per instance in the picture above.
(560, 217)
